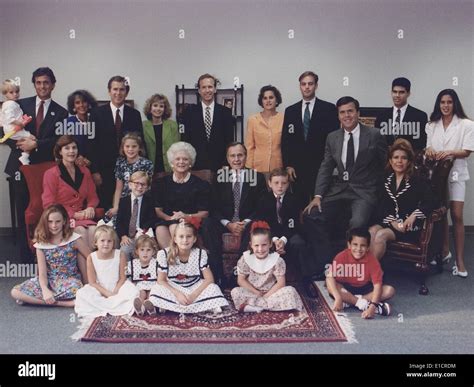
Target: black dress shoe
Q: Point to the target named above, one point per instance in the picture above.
(310, 289)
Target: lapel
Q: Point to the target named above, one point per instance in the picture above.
(149, 132)
(363, 144)
(245, 190)
(200, 121)
(109, 116)
(452, 129)
(407, 117)
(339, 142)
(48, 120)
(299, 117)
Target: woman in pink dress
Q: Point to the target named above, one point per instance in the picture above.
(72, 187)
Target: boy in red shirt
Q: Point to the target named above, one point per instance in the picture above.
(355, 277)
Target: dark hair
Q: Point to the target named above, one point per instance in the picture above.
(85, 96)
(310, 74)
(403, 82)
(44, 71)
(204, 76)
(457, 106)
(42, 233)
(278, 172)
(275, 91)
(118, 78)
(345, 100)
(235, 143)
(402, 145)
(157, 98)
(60, 143)
(361, 232)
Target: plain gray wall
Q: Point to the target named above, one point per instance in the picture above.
(249, 39)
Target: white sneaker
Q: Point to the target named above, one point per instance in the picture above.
(252, 309)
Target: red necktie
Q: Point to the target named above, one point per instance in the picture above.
(39, 118)
(118, 126)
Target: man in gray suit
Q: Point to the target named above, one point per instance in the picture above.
(358, 154)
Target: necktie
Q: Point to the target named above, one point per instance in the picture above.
(208, 123)
(118, 126)
(39, 118)
(306, 121)
(350, 153)
(236, 194)
(278, 208)
(398, 121)
(132, 228)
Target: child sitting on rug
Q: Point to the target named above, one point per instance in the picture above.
(185, 282)
(355, 277)
(142, 271)
(261, 276)
(108, 290)
(57, 250)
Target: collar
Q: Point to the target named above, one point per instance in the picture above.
(114, 108)
(47, 245)
(354, 131)
(282, 196)
(204, 106)
(46, 101)
(311, 101)
(185, 180)
(260, 265)
(403, 109)
(136, 197)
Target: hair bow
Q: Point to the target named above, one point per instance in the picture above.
(259, 224)
(141, 232)
(102, 222)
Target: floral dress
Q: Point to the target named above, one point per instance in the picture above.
(123, 171)
(63, 274)
(262, 273)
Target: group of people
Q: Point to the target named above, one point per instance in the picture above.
(301, 172)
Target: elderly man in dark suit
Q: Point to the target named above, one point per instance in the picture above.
(235, 197)
(112, 121)
(305, 128)
(403, 120)
(208, 126)
(47, 114)
(358, 154)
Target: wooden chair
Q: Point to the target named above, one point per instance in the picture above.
(33, 175)
(428, 247)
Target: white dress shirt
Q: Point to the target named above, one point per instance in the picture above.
(356, 135)
(47, 102)
(132, 198)
(403, 110)
(310, 106)
(114, 111)
(211, 110)
(242, 176)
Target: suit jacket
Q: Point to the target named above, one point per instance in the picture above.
(289, 213)
(105, 145)
(306, 156)
(417, 120)
(169, 137)
(57, 191)
(367, 172)
(223, 199)
(46, 137)
(147, 214)
(210, 154)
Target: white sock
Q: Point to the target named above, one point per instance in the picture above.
(362, 303)
(252, 308)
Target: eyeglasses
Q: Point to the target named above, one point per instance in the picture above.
(137, 183)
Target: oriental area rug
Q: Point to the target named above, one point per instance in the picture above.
(316, 323)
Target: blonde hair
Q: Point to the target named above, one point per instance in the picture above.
(135, 137)
(145, 240)
(174, 250)
(9, 84)
(140, 175)
(105, 230)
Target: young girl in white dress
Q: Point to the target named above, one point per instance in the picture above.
(12, 118)
(185, 282)
(261, 277)
(58, 250)
(108, 290)
(142, 271)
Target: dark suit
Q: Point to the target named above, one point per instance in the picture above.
(354, 192)
(417, 120)
(290, 227)
(306, 156)
(147, 214)
(210, 154)
(105, 146)
(46, 139)
(223, 208)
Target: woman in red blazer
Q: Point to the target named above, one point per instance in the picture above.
(73, 187)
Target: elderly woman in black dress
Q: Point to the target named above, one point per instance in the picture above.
(180, 194)
(405, 202)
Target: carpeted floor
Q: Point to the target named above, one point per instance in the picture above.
(316, 323)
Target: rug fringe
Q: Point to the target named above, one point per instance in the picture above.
(85, 323)
(342, 318)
